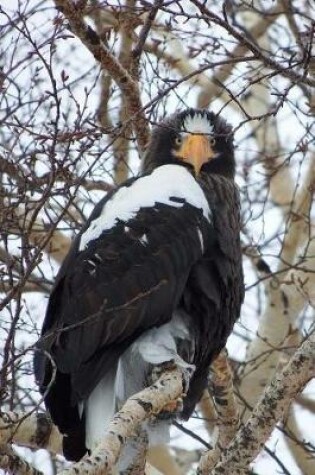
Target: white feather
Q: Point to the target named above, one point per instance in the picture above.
(144, 239)
(198, 124)
(160, 186)
(158, 345)
(129, 376)
(99, 409)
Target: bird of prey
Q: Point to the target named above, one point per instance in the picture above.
(154, 276)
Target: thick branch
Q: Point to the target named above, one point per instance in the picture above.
(34, 431)
(271, 408)
(138, 408)
(226, 415)
(285, 299)
(13, 464)
(221, 388)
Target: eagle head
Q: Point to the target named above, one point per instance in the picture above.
(195, 138)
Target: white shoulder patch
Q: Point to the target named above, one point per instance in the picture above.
(160, 186)
(197, 124)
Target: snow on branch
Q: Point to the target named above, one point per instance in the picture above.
(13, 464)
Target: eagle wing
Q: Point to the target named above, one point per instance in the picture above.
(125, 273)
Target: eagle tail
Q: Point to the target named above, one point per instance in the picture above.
(130, 373)
(99, 409)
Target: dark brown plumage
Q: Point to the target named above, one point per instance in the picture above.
(178, 250)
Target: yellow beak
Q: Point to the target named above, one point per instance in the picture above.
(195, 150)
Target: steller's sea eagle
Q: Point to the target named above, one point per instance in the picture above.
(154, 276)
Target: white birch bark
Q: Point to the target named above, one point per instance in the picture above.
(34, 431)
(149, 402)
(271, 408)
(284, 300)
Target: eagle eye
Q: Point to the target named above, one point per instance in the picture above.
(178, 140)
(212, 141)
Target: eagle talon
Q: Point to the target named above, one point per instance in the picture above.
(158, 370)
(174, 406)
(171, 409)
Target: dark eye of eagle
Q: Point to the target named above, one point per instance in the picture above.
(178, 140)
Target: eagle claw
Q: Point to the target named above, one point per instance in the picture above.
(173, 407)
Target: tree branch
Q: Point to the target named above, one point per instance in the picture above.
(221, 388)
(285, 299)
(34, 430)
(13, 464)
(124, 80)
(271, 408)
(289, 72)
(138, 408)
(224, 413)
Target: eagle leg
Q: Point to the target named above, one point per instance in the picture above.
(173, 408)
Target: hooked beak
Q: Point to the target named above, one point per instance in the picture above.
(195, 150)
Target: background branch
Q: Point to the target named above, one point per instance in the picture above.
(271, 408)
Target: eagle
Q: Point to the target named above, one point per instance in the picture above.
(154, 277)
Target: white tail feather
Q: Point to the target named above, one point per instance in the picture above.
(130, 375)
(99, 409)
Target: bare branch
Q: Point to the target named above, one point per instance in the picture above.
(254, 65)
(222, 74)
(34, 430)
(137, 50)
(286, 297)
(289, 72)
(294, 440)
(107, 61)
(221, 388)
(271, 408)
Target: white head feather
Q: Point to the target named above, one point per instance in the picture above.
(197, 124)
